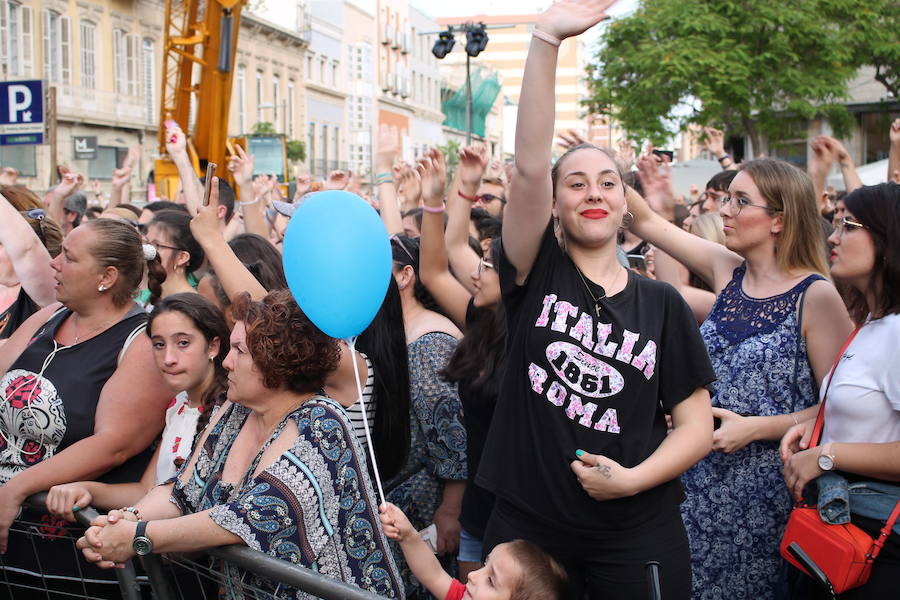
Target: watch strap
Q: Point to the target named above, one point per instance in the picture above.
(141, 530)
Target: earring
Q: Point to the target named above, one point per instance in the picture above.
(627, 219)
(101, 288)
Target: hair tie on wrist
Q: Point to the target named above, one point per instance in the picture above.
(435, 209)
(464, 197)
(149, 251)
(546, 37)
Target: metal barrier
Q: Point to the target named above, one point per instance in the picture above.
(164, 572)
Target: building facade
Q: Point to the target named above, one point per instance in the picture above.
(360, 53)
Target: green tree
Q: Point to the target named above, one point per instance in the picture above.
(742, 64)
(263, 128)
(873, 34)
(296, 150)
(450, 150)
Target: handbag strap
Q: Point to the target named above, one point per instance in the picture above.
(820, 417)
(878, 543)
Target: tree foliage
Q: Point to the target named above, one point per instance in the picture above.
(874, 36)
(296, 150)
(740, 64)
(263, 128)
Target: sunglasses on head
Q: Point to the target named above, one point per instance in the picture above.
(38, 214)
(396, 238)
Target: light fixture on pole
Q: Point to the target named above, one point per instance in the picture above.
(476, 41)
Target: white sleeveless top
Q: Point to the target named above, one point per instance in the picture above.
(177, 438)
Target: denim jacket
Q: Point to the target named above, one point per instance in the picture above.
(838, 498)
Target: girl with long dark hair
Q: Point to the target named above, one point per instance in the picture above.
(189, 338)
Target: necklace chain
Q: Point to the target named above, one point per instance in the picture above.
(78, 336)
(596, 300)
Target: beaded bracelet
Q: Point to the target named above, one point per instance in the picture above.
(435, 210)
(133, 510)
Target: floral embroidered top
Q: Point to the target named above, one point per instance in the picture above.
(314, 506)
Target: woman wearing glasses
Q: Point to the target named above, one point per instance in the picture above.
(861, 438)
(28, 240)
(181, 255)
(774, 330)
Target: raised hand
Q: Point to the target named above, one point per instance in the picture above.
(714, 141)
(473, 161)
(408, 183)
(240, 166)
(568, 18)
(205, 224)
(433, 172)
(656, 179)
(176, 142)
(571, 139)
(71, 183)
(120, 177)
(388, 147)
(895, 133)
(626, 155)
(822, 157)
(337, 180)
(304, 185)
(8, 176)
(134, 153)
(837, 149)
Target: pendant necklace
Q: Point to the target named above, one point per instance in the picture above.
(597, 305)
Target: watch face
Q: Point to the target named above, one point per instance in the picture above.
(826, 463)
(142, 546)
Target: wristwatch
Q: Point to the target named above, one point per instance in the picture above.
(142, 545)
(826, 461)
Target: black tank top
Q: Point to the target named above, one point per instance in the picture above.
(50, 394)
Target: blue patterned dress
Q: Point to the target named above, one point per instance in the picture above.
(314, 506)
(437, 445)
(737, 504)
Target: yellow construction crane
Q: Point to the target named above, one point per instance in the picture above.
(200, 33)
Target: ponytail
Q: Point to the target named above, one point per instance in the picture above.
(156, 275)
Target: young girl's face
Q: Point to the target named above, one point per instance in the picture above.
(497, 579)
(180, 350)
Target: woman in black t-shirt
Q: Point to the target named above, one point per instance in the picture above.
(578, 454)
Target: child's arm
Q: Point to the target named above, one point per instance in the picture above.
(421, 559)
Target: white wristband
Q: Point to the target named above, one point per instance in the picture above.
(248, 202)
(546, 37)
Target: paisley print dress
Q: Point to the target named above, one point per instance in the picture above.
(737, 504)
(314, 506)
(437, 446)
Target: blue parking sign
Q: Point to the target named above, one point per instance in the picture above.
(21, 112)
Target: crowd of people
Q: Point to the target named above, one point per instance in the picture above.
(574, 372)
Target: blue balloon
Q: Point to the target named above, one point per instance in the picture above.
(337, 260)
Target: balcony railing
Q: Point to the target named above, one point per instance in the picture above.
(101, 106)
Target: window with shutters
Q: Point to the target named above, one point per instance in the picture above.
(259, 95)
(57, 47)
(289, 106)
(16, 40)
(88, 55)
(276, 101)
(125, 51)
(241, 82)
(147, 51)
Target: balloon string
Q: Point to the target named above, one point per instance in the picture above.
(352, 344)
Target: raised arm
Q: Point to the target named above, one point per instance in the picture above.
(232, 273)
(29, 257)
(714, 142)
(252, 209)
(385, 155)
(893, 173)
(713, 262)
(433, 269)
(472, 162)
(71, 183)
(176, 147)
(848, 169)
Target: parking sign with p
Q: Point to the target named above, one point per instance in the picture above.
(21, 112)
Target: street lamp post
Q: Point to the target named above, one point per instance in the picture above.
(476, 41)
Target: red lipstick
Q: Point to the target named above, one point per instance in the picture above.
(595, 213)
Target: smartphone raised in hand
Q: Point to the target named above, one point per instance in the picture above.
(207, 186)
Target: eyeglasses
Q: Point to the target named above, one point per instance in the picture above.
(38, 214)
(847, 224)
(488, 198)
(741, 203)
(157, 245)
(484, 264)
(396, 238)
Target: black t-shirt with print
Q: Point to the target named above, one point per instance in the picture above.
(576, 381)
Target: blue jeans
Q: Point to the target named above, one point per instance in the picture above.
(872, 499)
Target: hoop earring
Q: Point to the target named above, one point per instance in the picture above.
(627, 220)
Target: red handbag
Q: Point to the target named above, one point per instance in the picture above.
(842, 554)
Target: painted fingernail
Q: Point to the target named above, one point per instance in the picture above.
(75, 508)
(579, 453)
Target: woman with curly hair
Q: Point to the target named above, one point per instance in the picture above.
(277, 469)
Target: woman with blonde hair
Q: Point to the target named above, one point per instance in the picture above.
(775, 329)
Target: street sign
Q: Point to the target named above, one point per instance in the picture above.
(85, 147)
(21, 112)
